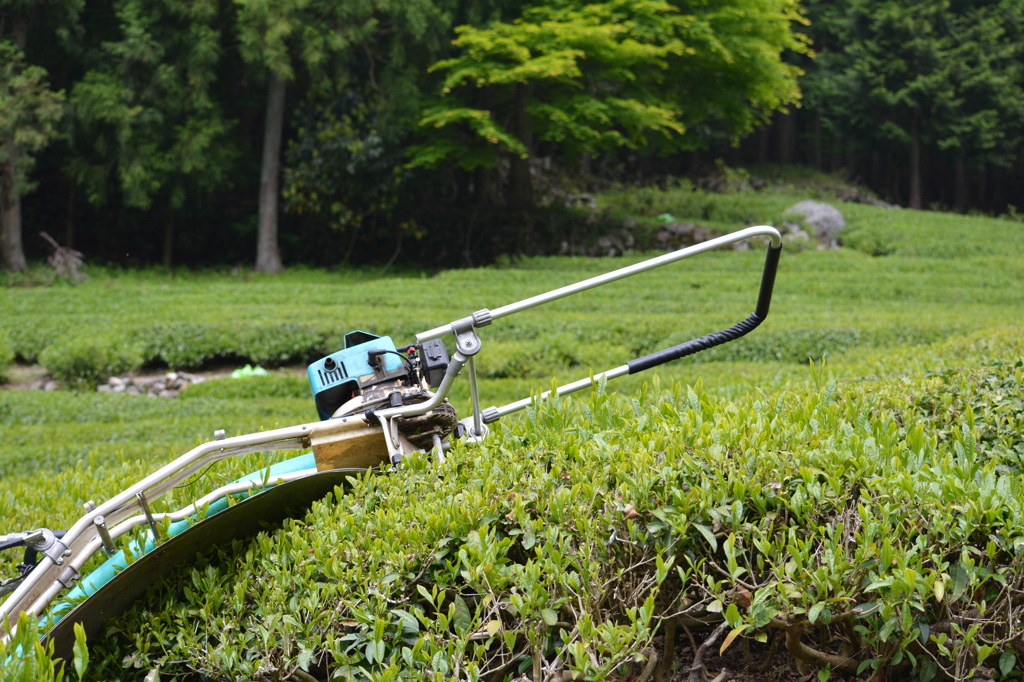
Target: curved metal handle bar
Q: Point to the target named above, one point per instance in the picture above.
(615, 275)
(481, 318)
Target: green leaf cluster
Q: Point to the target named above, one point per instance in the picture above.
(947, 73)
(594, 77)
(29, 114)
(149, 125)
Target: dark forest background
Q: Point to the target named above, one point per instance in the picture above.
(311, 131)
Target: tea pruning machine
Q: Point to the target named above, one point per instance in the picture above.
(376, 403)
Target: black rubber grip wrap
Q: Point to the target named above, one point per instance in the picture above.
(764, 300)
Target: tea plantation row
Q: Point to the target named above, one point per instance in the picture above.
(863, 515)
(864, 527)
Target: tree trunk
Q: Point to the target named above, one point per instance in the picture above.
(819, 156)
(484, 186)
(69, 227)
(787, 138)
(916, 200)
(268, 255)
(961, 191)
(997, 200)
(520, 187)
(169, 237)
(11, 249)
(764, 145)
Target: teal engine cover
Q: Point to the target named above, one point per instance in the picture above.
(339, 377)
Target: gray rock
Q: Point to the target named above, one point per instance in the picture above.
(51, 385)
(115, 381)
(676, 235)
(826, 221)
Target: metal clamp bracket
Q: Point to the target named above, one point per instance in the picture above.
(466, 340)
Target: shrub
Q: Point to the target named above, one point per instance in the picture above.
(822, 519)
(6, 354)
(186, 346)
(276, 345)
(81, 364)
(271, 386)
(26, 659)
(29, 337)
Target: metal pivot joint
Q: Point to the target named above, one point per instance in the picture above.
(466, 340)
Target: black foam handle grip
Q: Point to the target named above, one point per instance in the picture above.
(764, 300)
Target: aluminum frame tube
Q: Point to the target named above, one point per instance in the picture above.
(615, 275)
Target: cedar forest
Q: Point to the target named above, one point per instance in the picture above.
(223, 133)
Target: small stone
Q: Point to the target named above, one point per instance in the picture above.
(119, 389)
(115, 381)
(105, 388)
(171, 376)
(167, 394)
(51, 385)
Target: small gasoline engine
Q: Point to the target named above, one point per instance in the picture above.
(371, 373)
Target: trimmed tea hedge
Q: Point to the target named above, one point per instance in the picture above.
(860, 527)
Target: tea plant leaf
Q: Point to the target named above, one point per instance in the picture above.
(733, 634)
(1006, 662)
(80, 651)
(708, 535)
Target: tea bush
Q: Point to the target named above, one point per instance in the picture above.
(835, 522)
(186, 345)
(83, 363)
(26, 659)
(6, 354)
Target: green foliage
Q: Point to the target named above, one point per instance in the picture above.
(599, 76)
(81, 364)
(945, 73)
(819, 512)
(29, 112)
(185, 345)
(6, 353)
(25, 659)
(342, 165)
(146, 113)
(987, 400)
